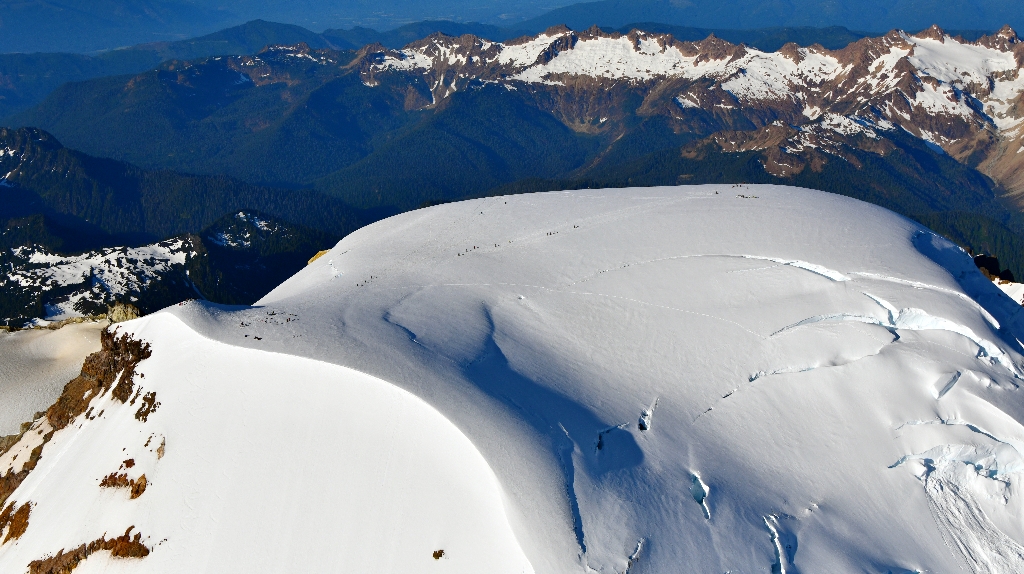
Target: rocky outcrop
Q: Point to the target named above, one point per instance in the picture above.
(318, 255)
(120, 312)
(112, 370)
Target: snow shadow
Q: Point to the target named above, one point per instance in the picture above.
(575, 432)
(1007, 312)
(604, 447)
(570, 426)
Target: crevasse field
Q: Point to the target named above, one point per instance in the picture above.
(686, 379)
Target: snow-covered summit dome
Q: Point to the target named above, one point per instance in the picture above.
(710, 378)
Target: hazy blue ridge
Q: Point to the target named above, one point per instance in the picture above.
(868, 15)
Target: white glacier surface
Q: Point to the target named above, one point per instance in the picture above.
(473, 378)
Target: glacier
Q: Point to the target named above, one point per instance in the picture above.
(721, 378)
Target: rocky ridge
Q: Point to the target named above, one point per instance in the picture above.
(961, 97)
(236, 260)
(64, 286)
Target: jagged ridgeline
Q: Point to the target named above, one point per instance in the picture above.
(928, 124)
(236, 260)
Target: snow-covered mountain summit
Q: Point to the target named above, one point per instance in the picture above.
(933, 70)
(730, 378)
(962, 97)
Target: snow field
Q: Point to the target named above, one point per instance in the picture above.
(1014, 290)
(273, 464)
(36, 365)
(592, 305)
(730, 378)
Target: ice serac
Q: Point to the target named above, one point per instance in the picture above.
(565, 382)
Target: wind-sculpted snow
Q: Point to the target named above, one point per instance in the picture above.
(589, 359)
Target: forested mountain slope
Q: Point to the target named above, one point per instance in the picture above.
(92, 200)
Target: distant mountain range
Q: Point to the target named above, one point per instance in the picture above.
(26, 79)
(91, 26)
(868, 15)
(97, 25)
(927, 125)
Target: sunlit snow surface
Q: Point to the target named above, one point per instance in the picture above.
(825, 387)
(36, 364)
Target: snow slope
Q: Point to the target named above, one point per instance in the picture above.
(711, 378)
(269, 461)
(1014, 290)
(36, 365)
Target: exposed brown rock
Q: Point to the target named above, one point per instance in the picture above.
(12, 480)
(124, 546)
(15, 519)
(149, 404)
(135, 486)
(116, 361)
(1003, 40)
(318, 255)
(933, 32)
(6, 442)
(120, 312)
